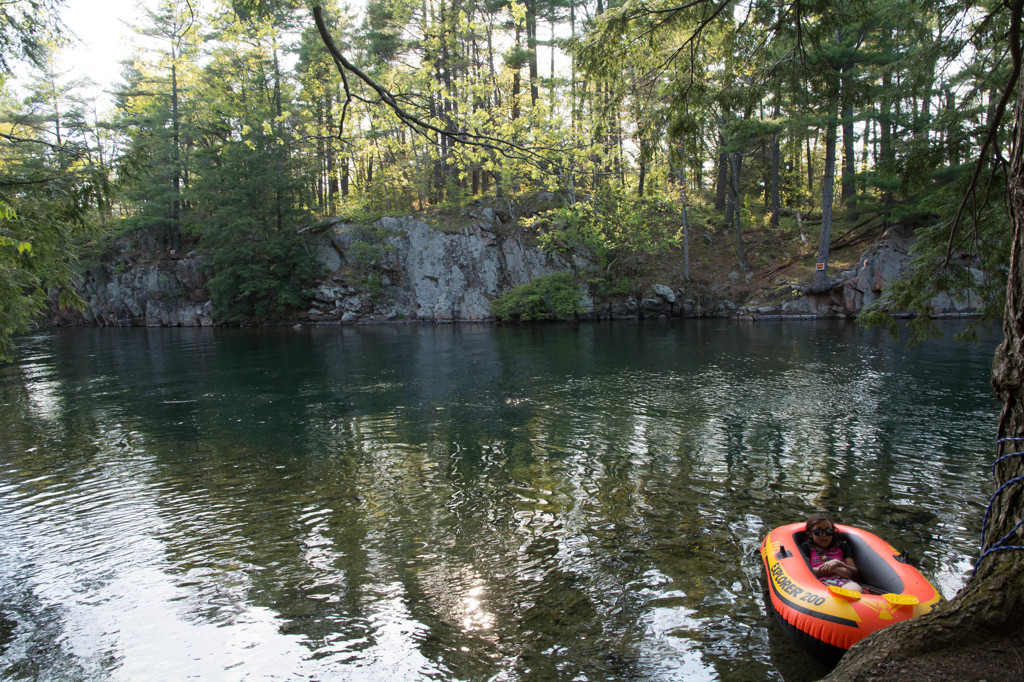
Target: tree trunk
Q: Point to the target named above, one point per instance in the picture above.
(951, 142)
(176, 151)
(734, 202)
(686, 220)
(820, 282)
(849, 155)
(517, 79)
(722, 188)
(810, 168)
(730, 201)
(886, 152)
(775, 202)
(531, 46)
(980, 633)
(643, 162)
(332, 172)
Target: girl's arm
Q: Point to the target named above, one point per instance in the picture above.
(847, 568)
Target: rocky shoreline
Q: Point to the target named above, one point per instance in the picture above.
(404, 270)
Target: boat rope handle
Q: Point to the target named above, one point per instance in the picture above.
(1012, 454)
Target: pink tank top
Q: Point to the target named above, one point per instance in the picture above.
(820, 556)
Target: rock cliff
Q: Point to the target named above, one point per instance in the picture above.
(396, 269)
(127, 292)
(884, 261)
(404, 269)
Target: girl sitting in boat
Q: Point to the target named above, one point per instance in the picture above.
(829, 554)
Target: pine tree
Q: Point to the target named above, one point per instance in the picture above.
(153, 110)
(248, 187)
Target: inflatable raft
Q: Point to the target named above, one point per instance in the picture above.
(829, 620)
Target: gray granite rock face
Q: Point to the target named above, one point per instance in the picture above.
(404, 269)
(158, 294)
(422, 273)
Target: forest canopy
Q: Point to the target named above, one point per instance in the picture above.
(237, 125)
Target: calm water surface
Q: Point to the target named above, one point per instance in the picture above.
(460, 503)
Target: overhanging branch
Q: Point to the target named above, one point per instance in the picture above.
(419, 125)
(1016, 11)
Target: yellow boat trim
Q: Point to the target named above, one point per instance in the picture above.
(901, 599)
(844, 593)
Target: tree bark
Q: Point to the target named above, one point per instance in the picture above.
(849, 187)
(773, 192)
(681, 175)
(176, 152)
(810, 167)
(531, 45)
(722, 186)
(734, 202)
(886, 152)
(821, 280)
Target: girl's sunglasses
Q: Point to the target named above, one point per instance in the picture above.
(823, 531)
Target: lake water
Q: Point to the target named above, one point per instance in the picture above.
(460, 502)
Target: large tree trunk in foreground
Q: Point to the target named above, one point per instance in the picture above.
(980, 633)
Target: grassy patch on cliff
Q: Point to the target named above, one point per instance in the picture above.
(545, 298)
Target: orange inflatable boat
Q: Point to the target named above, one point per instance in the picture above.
(829, 620)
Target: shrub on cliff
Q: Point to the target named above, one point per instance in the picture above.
(545, 298)
(613, 227)
(262, 279)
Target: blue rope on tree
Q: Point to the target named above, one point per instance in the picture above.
(1012, 454)
(998, 546)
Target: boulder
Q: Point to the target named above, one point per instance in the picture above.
(885, 261)
(665, 292)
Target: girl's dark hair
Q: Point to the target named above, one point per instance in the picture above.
(817, 518)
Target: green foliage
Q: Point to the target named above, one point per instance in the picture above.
(382, 30)
(356, 214)
(545, 298)
(48, 194)
(259, 267)
(218, 143)
(262, 278)
(20, 291)
(259, 270)
(38, 242)
(28, 29)
(611, 227)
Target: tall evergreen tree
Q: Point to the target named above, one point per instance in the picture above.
(248, 189)
(152, 111)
